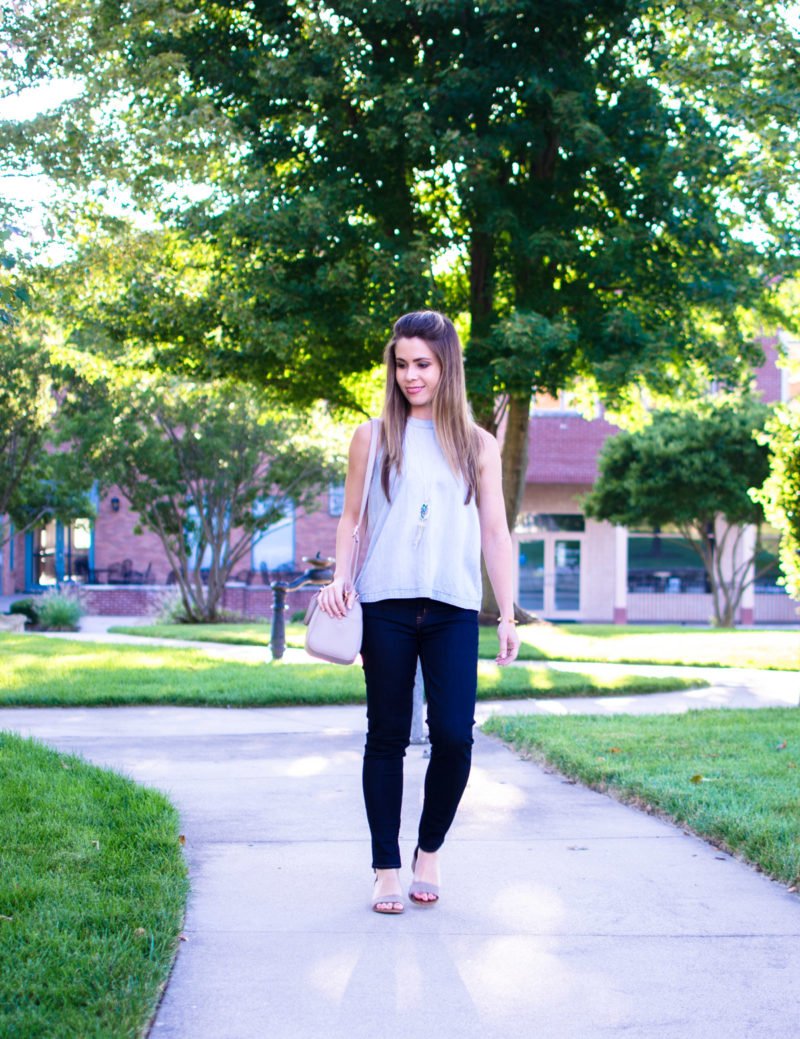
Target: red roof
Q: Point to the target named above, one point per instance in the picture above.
(563, 447)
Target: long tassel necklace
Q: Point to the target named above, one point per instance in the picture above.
(424, 512)
(421, 482)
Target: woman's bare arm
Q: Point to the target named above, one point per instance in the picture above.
(497, 545)
(334, 598)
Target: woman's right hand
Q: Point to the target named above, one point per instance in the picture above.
(336, 598)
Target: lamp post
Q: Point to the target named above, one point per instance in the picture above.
(319, 574)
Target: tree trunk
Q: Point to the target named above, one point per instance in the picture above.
(727, 588)
(481, 314)
(733, 583)
(481, 283)
(515, 445)
(515, 456)
(514, 468)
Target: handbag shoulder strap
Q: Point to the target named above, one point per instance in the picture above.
(373, 450)
(374, 436)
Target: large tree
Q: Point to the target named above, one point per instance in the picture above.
(692, 470)
(207, 467)
(780, 495)
(601, 187)
(39, 479)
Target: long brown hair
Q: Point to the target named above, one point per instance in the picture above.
(452, 419)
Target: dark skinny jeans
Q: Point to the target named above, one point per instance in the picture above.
(445, 638)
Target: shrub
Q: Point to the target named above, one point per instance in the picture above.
(28, 607)
(59, 610)
(169, 608)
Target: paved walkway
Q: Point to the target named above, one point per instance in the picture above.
(564, 914)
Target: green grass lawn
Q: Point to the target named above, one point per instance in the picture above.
(92, 892)
(732, 776)
(57, 672)
(634, 644)
(246, 634)
(612, 643)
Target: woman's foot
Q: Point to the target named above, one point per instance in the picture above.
(386, 897)
(424, 888)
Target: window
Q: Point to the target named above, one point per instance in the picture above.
(60, 552)
(192, 532)
(565, 403)
(77, 547)
(768, 569)
(557, 521)
(335, 499)
(568, 575)
(274, 549)
(664, 563)
(44, 555)
(531, 575)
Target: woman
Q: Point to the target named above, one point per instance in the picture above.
(435, 501)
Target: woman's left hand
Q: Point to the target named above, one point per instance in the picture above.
(508, 637)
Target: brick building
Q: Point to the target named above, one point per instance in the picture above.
(568, 567)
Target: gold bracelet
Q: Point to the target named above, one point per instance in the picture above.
(509, 620)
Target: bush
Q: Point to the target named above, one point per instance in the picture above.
(230, 617)
(170, 609)
(59, 611)
(27, 607)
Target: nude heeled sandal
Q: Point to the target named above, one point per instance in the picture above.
(392, 899)
(422, 887)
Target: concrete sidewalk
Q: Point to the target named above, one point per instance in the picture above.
(564, 914)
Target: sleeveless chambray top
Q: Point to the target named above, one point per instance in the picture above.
(424, 542)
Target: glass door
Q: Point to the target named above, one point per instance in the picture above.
(59, 553)
(568, 575)
(531, 575)
(77, 551)
(44, 555)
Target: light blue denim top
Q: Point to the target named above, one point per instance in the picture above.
(409, 557)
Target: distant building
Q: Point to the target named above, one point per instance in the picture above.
(574, 568)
